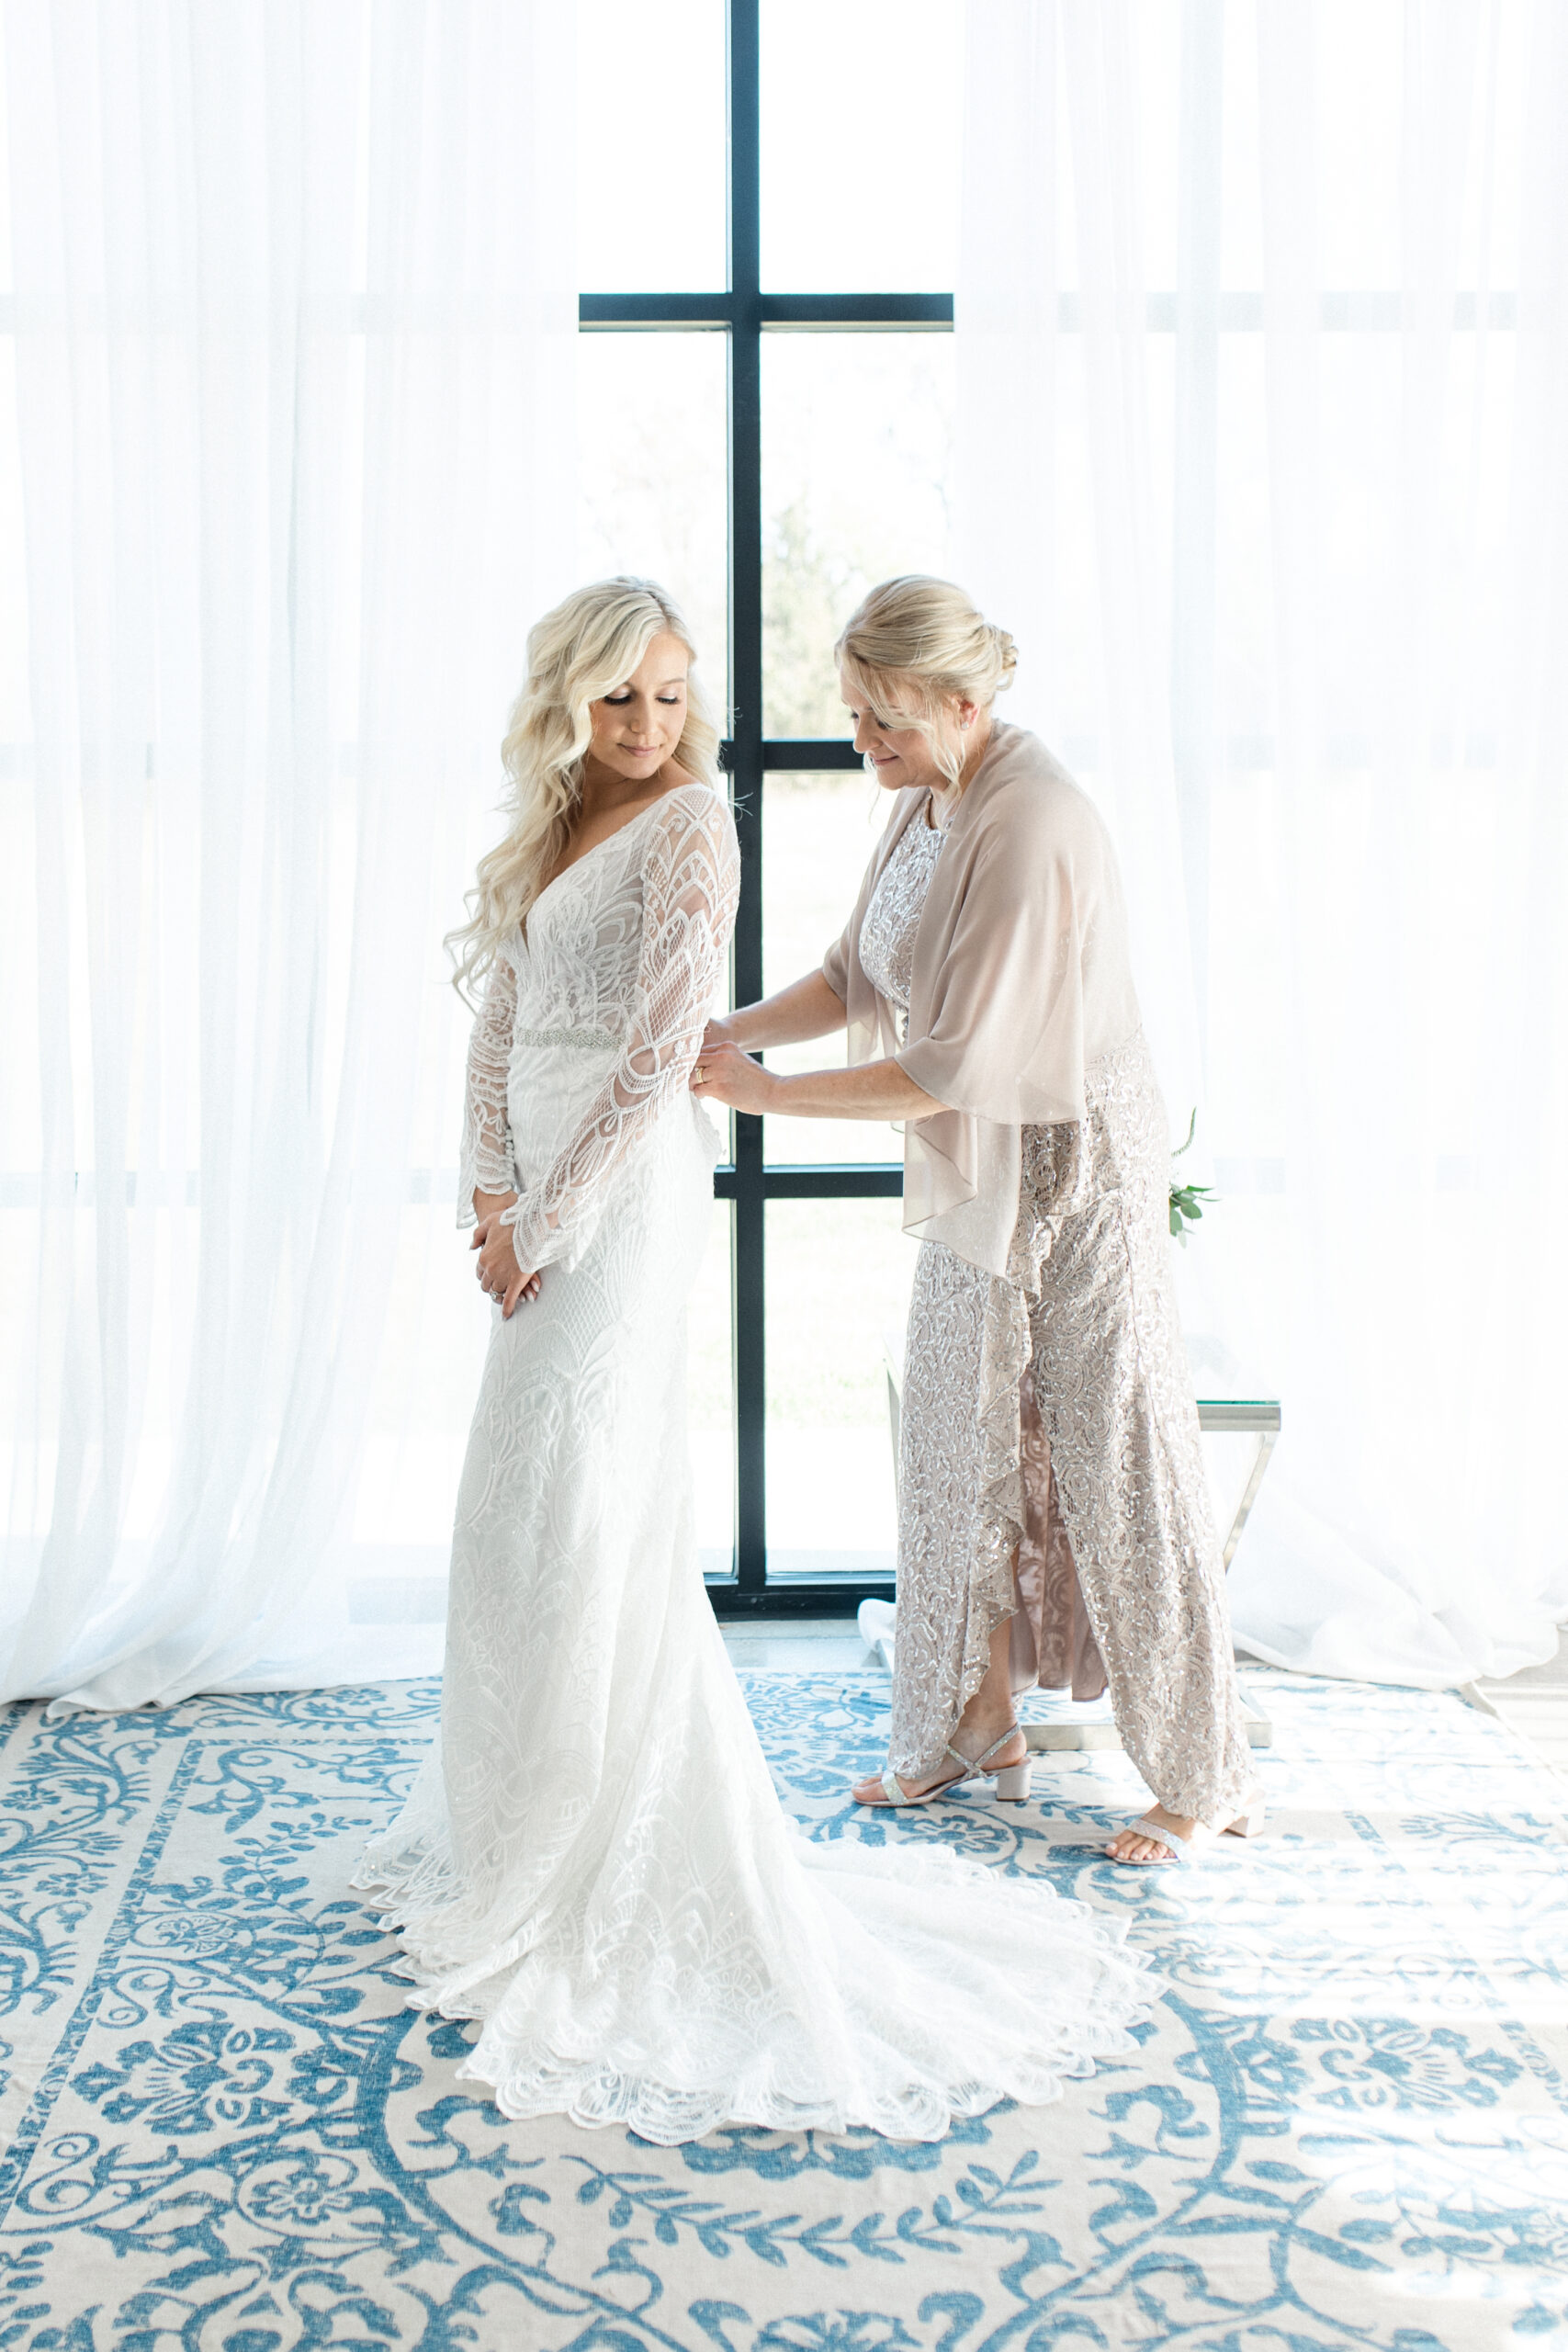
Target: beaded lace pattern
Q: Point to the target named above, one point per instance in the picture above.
(592, 1865)
(887, 933)
(1096, 1459)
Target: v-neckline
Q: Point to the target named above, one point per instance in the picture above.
(608, 838)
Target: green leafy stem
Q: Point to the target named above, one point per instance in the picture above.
(1187, 1200)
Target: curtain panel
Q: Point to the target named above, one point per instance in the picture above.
(295, 323)
(1262, 341)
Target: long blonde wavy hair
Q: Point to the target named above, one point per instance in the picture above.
(582, 651)
(912, 645)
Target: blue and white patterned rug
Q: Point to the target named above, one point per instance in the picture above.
(1346, 2125)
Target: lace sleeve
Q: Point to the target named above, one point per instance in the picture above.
(487, 1162)
(690, 884)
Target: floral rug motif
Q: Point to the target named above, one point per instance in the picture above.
(1346, 2124)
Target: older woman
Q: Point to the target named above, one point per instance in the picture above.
(1053, 1519)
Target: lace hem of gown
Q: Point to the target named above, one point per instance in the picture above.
(563, 2033)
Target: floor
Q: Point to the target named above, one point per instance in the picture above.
(1344, 2127)
(806, 1645)
(1533, 1705)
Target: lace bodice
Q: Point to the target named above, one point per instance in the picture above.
(887, 933)
(620, 966)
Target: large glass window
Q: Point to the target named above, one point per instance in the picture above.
(769, 436)
(838, 1275)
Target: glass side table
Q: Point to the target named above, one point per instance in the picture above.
(1240, 1415)
(1057, 1722)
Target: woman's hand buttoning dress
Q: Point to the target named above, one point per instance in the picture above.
(593, 1865)
(1054, 1522)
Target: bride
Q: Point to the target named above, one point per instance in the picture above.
(593, 1864)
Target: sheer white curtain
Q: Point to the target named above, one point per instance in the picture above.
(1262, 324)
(294, 325)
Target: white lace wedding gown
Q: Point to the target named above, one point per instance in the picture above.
(592, 1861)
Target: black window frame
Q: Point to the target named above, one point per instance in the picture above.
(744, 314)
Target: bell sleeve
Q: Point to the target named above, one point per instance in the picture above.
(691, 885)
(836, 964)
(487, 1162)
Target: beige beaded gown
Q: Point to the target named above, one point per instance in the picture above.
(1049, 1462)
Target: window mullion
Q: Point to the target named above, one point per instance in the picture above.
(749, 1275)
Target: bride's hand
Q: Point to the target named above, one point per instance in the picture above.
(724, 1074)
(500, 1275)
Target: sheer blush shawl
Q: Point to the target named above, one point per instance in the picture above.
(1021, 977)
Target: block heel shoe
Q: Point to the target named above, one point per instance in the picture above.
(1012, 1779)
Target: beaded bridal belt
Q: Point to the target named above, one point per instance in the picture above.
(584, 1039)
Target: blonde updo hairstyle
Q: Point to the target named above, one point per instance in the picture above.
(912, 648)
(582, 651)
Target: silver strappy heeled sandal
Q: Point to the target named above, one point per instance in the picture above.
(1201, 1839)
(1012, 1779)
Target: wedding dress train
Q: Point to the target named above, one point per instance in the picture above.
(592, 1863)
